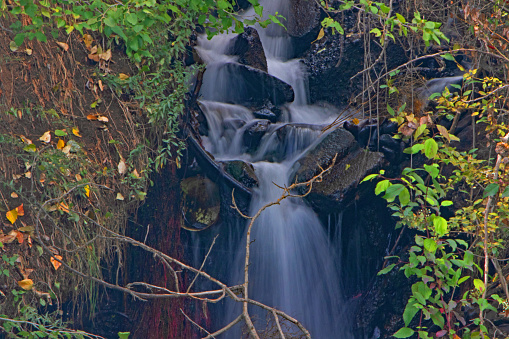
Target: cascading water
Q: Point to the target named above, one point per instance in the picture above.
(293, 264)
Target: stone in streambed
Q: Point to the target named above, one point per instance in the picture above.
(248, 47)
(242, 172)
(338, 187)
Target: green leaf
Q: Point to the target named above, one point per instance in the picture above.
(414, 149)
(382, 186)
(30, 148)
(19, 38)
(123, 335)
(430, 148)
(401, 18)
(446, 203)
(432, 170)
(420, 130)
(506, 192)
(479, 284)
(404, 332)
(369, 177)
(390, 110)
(410, 312)
(490, 190)
(393, 191)
(440, 225)
(404, 197)
(430, 245)
(387, 269)
(60, 133)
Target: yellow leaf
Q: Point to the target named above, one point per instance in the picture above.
(60, 144)
(28, 175)
(12, 215)
(28, 51)
(321, 34)
(120, 196)
(26, 284)
(46, 137)
(87, 191)
(56, 264)
(66, 149)
(14, 195)
(355, 121)
(63, 45)
(76, 132)
(123, 76)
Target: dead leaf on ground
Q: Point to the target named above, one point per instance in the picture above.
(92, 117)
(101, 86)
(21, 210)
(76, 132)
(60, 144)
(56, 264)
(63, 45)
(14, 195)
(122, 167)
(8, 238)
(28, 51)
(87, 39)
(12, 215)
(123, 76)
(26, 284)
(120, 196)
(102, 118)
(46, 137)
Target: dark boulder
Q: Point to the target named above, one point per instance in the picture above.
(246, 86)
(254, 133)
(339, 185)
(248, 47)
(242, 172)
(304, 16)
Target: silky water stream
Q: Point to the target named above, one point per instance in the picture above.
(294, 265)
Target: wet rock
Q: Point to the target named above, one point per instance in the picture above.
(390, 143)
(338, 186)
(254, 133)
(242, 172)
(304, 16)
(266, 114)
(250, 87)
(366, 133)
(388, 127)
(248, 47)
(201, 202)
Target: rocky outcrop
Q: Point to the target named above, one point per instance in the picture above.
(352, 165)
(248, 47)
(254, 133)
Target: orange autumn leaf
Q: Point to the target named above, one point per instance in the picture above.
(12, 215)
(60, 144)
(92, 117)
(87, 39)
(56, 264)
(19, 236)
(21, 211)
(26, 284)
(63, 207)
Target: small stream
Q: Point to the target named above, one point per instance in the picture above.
(294, 265)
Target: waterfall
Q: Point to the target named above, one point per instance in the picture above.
(293, 266)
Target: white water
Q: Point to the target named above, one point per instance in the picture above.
(293, 266)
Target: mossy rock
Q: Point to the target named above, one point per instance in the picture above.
(201, 203)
